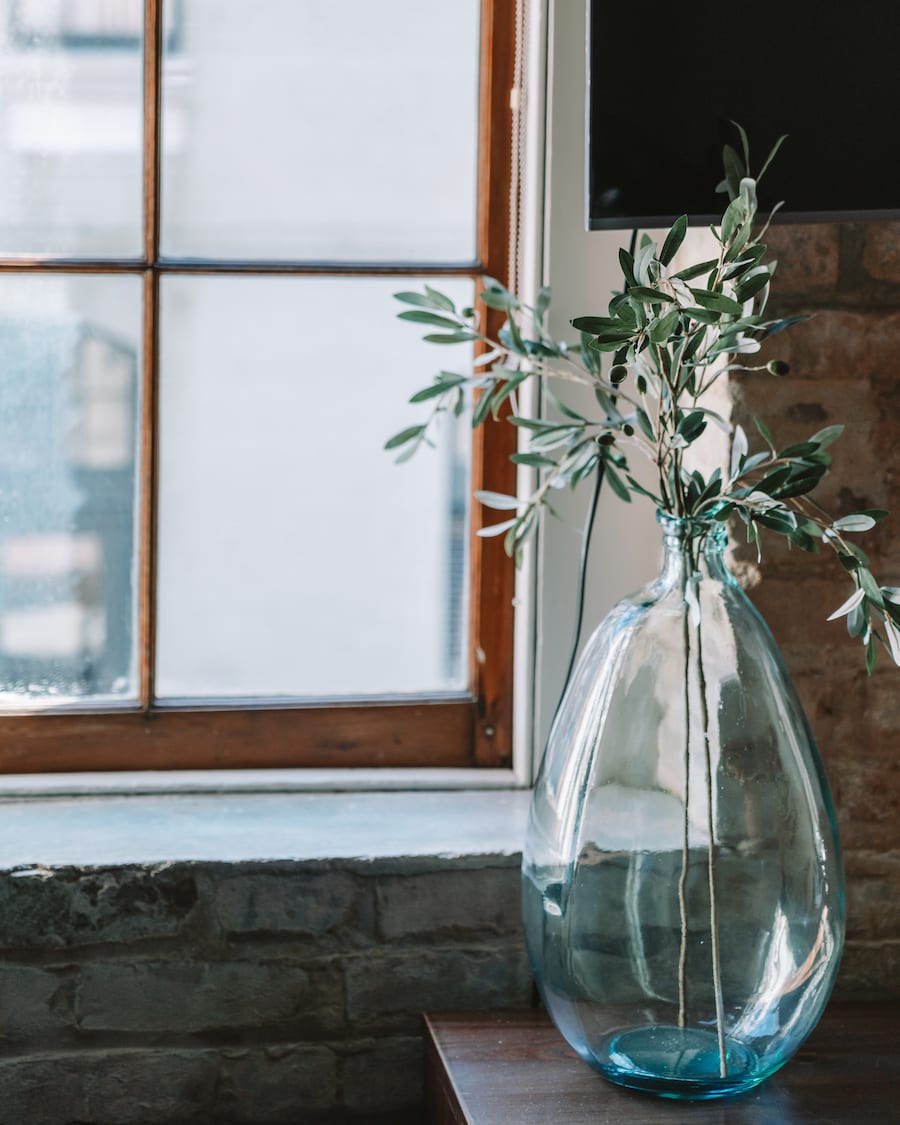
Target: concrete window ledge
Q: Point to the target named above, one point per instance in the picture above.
(241, 957)
(238, 827)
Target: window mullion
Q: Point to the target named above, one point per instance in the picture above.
(153, 27)
(152, 126)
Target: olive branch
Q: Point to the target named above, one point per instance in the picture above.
(671, 335)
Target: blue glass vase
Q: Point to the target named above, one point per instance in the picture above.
(682, 885)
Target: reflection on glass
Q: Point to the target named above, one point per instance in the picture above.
(330, 131)
(71, 129)
(68, 439)
(295, 558)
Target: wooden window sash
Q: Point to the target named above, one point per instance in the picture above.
(472, 728)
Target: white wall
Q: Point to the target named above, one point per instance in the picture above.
(582, 269)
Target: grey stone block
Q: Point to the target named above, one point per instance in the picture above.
(393, 989)
(275, 1084)
(41, 908)
(303, 905)
(480, 900)
(387, 1075)
(111, 1087)
(190, 997)
(34, 1002)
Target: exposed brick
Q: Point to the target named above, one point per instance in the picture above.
(808, 257)
(462, 901)
(66, 908)
(873, 905)
(108, 1087)
(304, 905)
(881, 251)
(869, 971)
(868, 795)
(275, 1084)
(836, 344)
(34, 1002)
(386, 1075)
(180, 997)
(394, 989)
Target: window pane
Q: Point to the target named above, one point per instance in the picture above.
(295, 558)
(71, 129)
(331, 131)
(68, 440)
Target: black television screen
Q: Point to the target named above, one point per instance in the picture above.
(666, 81)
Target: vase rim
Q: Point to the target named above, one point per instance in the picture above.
(683, 528)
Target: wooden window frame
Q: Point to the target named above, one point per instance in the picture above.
(470, 729)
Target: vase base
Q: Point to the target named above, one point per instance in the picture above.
(678, 1062)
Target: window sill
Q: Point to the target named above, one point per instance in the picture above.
(92, 830)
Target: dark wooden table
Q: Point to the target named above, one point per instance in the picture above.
(513, 1068)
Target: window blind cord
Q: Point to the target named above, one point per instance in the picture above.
(587, 534)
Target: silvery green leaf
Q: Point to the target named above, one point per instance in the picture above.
(440, 299)
(642, 262)
(691, 426)
(739, 449)
(869, 585)
(626, 262)
(461, 337)
(893, 637)
(754, 461)
(532, 460)
(499, 501)
(411, 433)
(487, 357)
(732, 219)
(673, 240)
(716, 302)
(682, 292)
(498, 300)
(690, 272)
(765, 433)
(856, 621)
(751, 283)
(616, 484)
(422, 299)
(422, 316)
(856, 522)
(647, 295)
(825, 437)
(771, 156)
(762, 501)
(495, 529)
(662, 327)
(891, 594)
(851, 603)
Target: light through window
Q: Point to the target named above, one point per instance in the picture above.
(204, 214)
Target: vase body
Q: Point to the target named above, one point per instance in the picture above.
(682, 885)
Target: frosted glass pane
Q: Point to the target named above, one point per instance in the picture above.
(308, 130)
(295, 558)
(71, 128)
(68, 480)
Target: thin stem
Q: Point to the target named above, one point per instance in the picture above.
(711, 867)
(682, 880)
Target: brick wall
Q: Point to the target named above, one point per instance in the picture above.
(845, 367)
(243, 993)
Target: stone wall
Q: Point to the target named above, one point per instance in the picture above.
(845, 367)
(243, 993)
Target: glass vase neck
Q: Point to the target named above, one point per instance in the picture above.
(693, 546)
